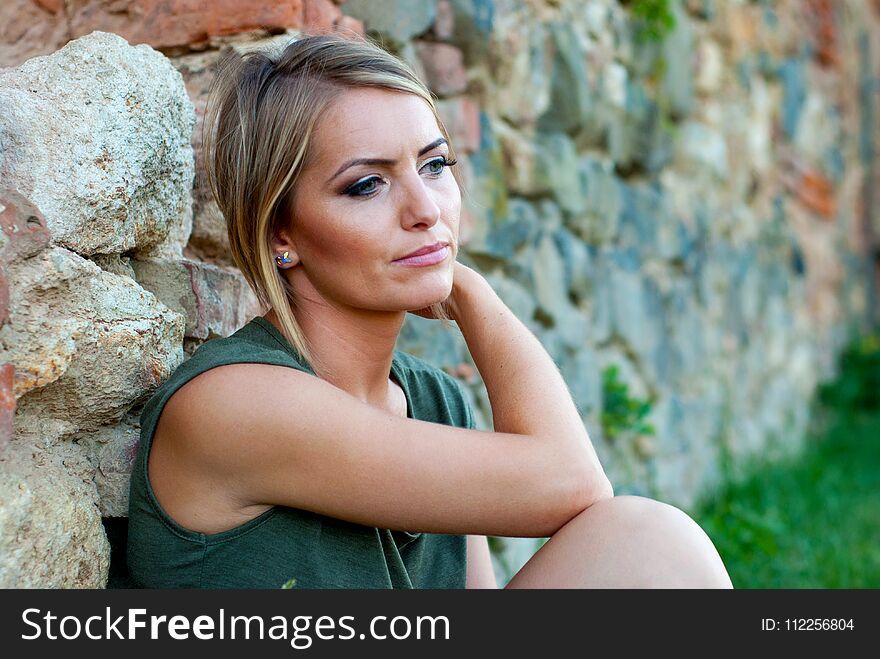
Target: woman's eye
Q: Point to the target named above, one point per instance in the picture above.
(363, 188)
(370, 185)
(437, 165)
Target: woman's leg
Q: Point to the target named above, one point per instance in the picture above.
(626, 542)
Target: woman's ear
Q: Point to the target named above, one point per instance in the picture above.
(284, 249)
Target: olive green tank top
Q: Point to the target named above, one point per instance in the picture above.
(285, 543)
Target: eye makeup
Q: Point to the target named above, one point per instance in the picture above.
(366, 186)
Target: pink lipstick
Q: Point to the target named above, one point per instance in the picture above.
(430, 255)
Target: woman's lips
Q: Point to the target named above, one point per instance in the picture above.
(426, 259)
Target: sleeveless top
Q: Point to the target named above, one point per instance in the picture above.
(285, 543)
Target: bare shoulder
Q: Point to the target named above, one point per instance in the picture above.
(210, 389)
(186, 484)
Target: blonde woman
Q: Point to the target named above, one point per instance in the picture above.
(305, 447)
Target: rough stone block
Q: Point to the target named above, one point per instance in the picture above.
(112, 451)
(548, 271)
(583, 378)
(577, 263)
(522, 71)
(518, 230)
(485, 200)
(461, 116)
(572, 105)
(444, 67)
(556, 169)
(702, 150)
(474, 22)
(520, 157)
(28, 29)
(50, 528)
(637, 311)
(320, 16)
(687, 338)
(395, 20)
(208, 238)
(215, 300)
(123, 119)
(710, 67)
(114, 341)
(636, 136)
(600, 191)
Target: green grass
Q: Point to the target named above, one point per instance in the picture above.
(814, 521)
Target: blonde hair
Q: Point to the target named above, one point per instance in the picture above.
(262, 110)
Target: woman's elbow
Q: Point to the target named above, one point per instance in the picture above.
(589, 487)
(575, 485)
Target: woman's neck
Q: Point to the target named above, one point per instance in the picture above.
(353, 351)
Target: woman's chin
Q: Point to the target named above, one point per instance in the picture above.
(429, 291)
(425, 302)
(424, 305)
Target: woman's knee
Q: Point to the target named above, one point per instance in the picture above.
(659, 544)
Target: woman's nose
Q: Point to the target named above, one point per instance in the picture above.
(419, 206)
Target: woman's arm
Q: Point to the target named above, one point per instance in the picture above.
(527, 393)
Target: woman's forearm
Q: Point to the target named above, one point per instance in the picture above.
(526, 390)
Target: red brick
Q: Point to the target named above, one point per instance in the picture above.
(320, 16)
(444, 67)
(166, 23)
(7, 404)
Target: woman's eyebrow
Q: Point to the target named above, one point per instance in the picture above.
(384, 161)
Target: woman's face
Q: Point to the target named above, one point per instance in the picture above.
(376, 188)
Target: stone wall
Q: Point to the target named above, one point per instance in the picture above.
(680, 209)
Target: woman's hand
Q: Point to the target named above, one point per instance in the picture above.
(461, 276)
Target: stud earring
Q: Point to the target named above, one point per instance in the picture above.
(283, 259)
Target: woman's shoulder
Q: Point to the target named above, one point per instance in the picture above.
(251, 344)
